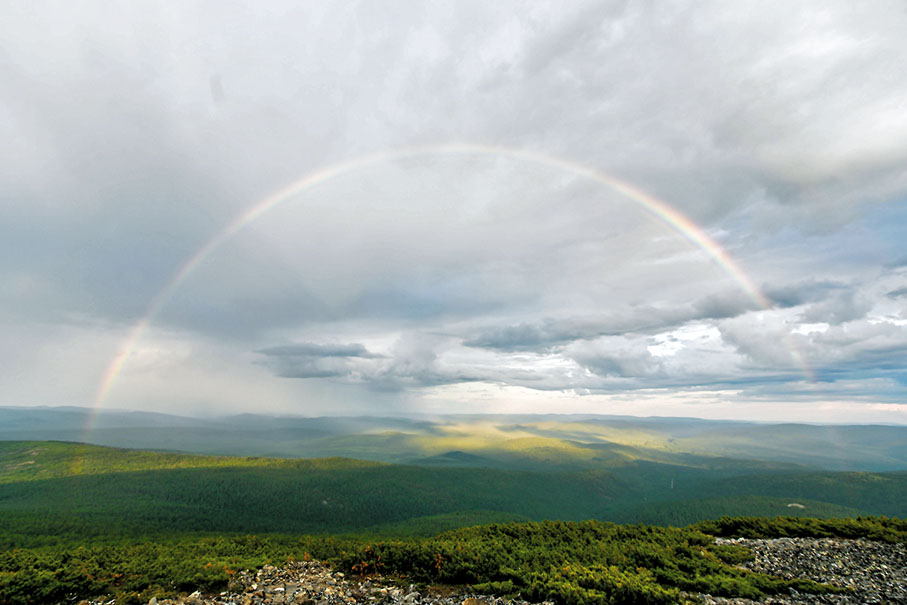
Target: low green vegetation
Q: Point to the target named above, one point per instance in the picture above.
(134, 570)
(879, 529)
(567, 562)
(576, 563)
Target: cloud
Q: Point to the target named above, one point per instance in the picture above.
(318, 350)
(311, 360)
(626, 358)
(136, 135)
(801, 292)
(411, 362)
(845, 306)
(859, 348)
(642, 319)
(146, 165)
(850, 335)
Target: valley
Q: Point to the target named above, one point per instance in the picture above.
(402, 483)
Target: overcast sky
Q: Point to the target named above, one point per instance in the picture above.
(501, 275)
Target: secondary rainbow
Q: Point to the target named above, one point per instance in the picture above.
(677, 221)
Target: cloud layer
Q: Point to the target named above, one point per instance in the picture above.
(134, 136)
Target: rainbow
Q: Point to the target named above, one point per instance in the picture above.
(677, 221)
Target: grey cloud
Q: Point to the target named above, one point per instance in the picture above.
(642, 319)
(630, 362)
(626, 362)
(857, 331)
(119, 165)
(825, 301)
(149, 131)
(311, 360)
(859, 346)
(112, 202)
(416, 361)
(851, 350)
(766, 347)
(412, 363)
(709, 104)
(858, 390)
(555, 332)
(131, 143)
(529, 336)
(309, 349)
(722, 305)
(798, 293)
(308, 367)
(845, 306)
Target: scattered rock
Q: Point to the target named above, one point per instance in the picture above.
(312, 583)
(877, 571)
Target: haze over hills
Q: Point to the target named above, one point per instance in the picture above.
(496, 441)
(444, 471)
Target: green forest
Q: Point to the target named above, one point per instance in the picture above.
(78, 490)
(79, 520)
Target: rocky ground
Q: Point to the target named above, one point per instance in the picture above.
(311, 583)
(877, 571)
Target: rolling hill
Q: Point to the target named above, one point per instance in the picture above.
(51, 490)
(80, 520)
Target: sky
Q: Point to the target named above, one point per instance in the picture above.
(647, 208)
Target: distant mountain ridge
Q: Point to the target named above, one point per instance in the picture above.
(514, 441)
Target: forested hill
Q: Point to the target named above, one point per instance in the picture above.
(35, 460)
(54, 489)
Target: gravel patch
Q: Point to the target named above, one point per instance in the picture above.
(312, 583)
(877, 571)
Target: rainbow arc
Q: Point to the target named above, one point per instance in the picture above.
(670, 216)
